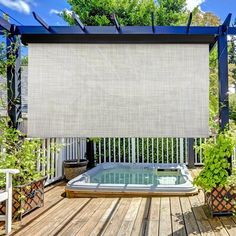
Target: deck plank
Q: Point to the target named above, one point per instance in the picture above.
(25, 227)
(189, 219)
(52, 199)
(165, 227)
(129, 219)
(116, 221)
(94, 219)
(177, 218)
(216, 225)
(104, 220)
(152, 227)
(45, 225)
(202, 220)
(229, 225)
(141, 219)
(73, 225)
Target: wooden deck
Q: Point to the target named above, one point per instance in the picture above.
(122, 216)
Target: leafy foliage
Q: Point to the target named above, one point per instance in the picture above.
(204, 18)
(19, 153)
(232, 106)
(171, 12)
(216, 152)
(128, 12)
(231, 181)
(24, 61)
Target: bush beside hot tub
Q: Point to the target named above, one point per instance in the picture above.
(214, 179)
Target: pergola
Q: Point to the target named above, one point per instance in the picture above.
(116, 34)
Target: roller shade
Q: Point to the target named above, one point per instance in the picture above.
(118, 90)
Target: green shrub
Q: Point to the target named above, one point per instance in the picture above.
(18, 152)
(216, 154)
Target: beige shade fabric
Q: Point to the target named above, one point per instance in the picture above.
(118, 90)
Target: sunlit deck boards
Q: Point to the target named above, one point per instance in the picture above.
(122, 216)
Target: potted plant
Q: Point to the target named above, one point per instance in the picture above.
(215, 177)
(74, 168)
(20, 153)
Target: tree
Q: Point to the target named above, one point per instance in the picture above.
(97, 12)
(171, 12)
(128, 12)
(204, 18)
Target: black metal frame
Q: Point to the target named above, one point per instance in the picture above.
(128, 34)
(14, 80)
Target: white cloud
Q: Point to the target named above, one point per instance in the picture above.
(191, 4)
(17, 5)
(54, 11)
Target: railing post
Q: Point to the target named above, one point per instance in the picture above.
(181, 154)
(133, 150)
(90, 153)
(191, 152)
(61, 155)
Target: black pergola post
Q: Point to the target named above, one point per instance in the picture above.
(223, 78)
(13, 80)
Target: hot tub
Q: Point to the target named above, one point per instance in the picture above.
(126, 179)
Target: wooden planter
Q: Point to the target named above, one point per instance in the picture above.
(26, 198)
(221, 200)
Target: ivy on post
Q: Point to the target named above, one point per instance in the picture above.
(13, 80)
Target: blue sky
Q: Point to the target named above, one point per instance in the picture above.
(21, 9)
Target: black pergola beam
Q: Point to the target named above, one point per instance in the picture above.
(189, 22)
(115, 22)
(78, 21)
(119, 38)
(130, 34)
(42, 22)
(5, 25)
(227, 20)
(167, 30)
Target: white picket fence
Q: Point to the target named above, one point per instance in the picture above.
(145, 150)
(71, 148)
